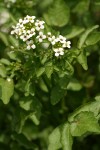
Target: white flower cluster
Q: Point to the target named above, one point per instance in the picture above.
(58, 44)
(31, 31)
(28, 30)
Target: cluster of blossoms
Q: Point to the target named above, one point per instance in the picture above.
(58, 44)
(31, 31)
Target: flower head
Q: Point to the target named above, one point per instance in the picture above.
(41, 37)
(30, 45)
(39, 25)
(67, 44)
(58, 51)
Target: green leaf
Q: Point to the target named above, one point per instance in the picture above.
(93, 38)
(82, 59)
(81, 7)
(74, 85)
(75, 31)
(88, 81)
(97, 98)
(12, 55)
(29, 88)
(25, 104)
(23, 141)
(69, 68)
(54, 139)
(13, 41)
(56, 95)
(43, 85)
(7, 89)
(66, 137)
(43, 59)
(5, 61)
(3, 37)
(49, 69)
(40, 71)
(63, 82)
(92, 106)
(3, 71)
(84, 122)
(34, 118)
(34, 106)
(85, 35)
(58, 14)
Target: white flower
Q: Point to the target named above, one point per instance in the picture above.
(19, 25)
(24, 37)
(58, 51)
(67, 44)
(31, 32)
(25, 21)
(41, 37)
(30, 44)
(52, 40)
(61, 39)
(49, 36)
(29, 19)
(13, 32)
(39, 25)
(20, 21)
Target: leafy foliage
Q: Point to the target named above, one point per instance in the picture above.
(48, 101)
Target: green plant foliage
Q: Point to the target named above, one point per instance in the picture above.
(85, 35)
(56, 94)
(93, 38)
(75, 31)
(74, 85)
(54, 139)
(7, 89)
(58, 14)
(84, 122)
(66, 138)
(50, 75)
(82, 59)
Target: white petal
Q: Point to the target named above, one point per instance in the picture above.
(37, 28)
(50, 39)
(53, 42)
(32, 21)
(62, 53)
(56, 54)
(64, 45)
(49, 33)
(42, 26)
(40, 33)
(44, 36)
(40, 40)
(33, 29)
(61, 49)
(20, 20)
(36, 24)
(12, 32)
(33, 46)
(28, 47)
(33, 17)
(55, 50)
(68, 44)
